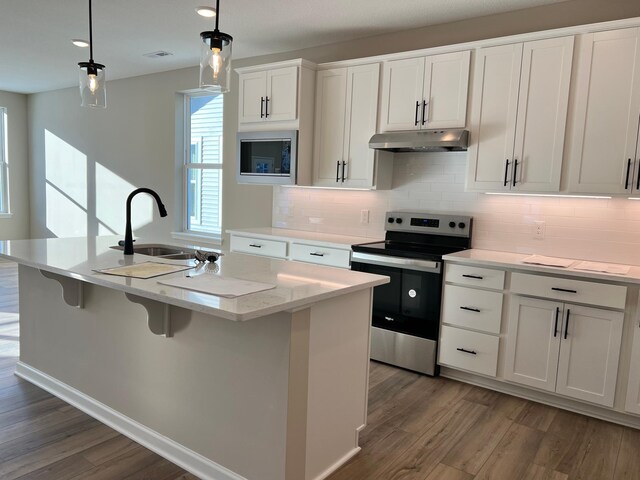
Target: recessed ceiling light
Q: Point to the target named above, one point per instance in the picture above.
(206, 11)
(80, 43)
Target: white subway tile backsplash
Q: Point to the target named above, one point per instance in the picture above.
(606, 230)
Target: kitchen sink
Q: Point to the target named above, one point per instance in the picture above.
(164, 251)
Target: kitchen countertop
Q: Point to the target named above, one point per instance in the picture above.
(322, 239)
(297, 285)
(492, 258)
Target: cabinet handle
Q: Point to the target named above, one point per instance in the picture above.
(626, 181)
(477, 277)
(344, 166)
(317, 254)
(555, 328)
(638, 179)
(255, 246)
(566, 325)
(566, 290)
(338, 171)
(425, 109)
(466, 351)
(261, 107)
(470, 309)
(515, 171)
(417, 107)
(266, 107)
(506, 171)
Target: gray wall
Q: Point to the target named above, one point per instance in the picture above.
(18, 225)
(135, 136)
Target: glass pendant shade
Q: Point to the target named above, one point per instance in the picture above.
(215, 61)
(93, 88)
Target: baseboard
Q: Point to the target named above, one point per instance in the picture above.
(602, 413)
(338, 464)
(176, 453)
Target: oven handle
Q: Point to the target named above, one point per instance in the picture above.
(398, 262)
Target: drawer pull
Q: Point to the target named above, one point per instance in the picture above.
(566, 325)
(477, 277)
(255, 246)
(315, 254)
(566, 290)
(466, 351)
(471, 309)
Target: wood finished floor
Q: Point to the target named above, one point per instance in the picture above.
(419, 428)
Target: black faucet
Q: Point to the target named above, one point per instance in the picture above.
(128, 236)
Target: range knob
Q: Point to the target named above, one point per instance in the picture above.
(452, 224)
(462, 225)
(390, 220)
(398, 220)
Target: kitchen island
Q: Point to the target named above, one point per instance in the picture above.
(266, 386)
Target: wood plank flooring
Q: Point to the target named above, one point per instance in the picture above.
(419, 428)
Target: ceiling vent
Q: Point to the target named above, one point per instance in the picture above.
(158, 54)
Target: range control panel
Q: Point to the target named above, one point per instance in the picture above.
(430, 223)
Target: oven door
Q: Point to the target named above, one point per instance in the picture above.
(406, 311)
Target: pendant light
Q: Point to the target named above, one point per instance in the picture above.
(215, 60)
(93, 90)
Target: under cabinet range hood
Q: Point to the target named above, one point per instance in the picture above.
(421, 141)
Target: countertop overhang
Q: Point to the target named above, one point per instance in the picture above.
(298, 285)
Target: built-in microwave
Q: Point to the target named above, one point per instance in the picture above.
(267, 157)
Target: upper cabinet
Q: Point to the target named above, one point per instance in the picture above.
(346, 115)
(425, 92)
(275, 96)
(518, 115)
(603, 143)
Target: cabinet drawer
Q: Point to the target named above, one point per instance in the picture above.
(472, 351)
(474, 276)
(333, 257)
(471, 308)
(590, 293)
(259, 246)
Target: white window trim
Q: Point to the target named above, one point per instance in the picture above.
(4, 165)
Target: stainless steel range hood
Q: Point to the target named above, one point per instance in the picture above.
(421, 141)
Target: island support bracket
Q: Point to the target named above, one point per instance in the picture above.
(158, 314)
(71, 288)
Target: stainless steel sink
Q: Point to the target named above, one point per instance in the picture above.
(178, 256)
(158, 250)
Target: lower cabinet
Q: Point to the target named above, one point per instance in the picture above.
(564, 348)
(632, 403)
(472, 351)
(259, 246)
(330, 256)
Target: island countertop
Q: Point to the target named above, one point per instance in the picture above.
(297, 285)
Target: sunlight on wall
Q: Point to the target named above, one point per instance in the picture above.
(111, 197)
(66, 188)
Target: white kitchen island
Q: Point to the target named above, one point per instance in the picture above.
(266, 386)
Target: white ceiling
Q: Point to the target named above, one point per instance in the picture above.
(37, 54)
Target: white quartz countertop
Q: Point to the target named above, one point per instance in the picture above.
(297, 285)
(514, 261)
(317, 238)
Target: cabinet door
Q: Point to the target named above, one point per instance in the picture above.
(331, 100)
(542, 114)
(401, 98)
(282, 91)
(589, 354)
(533, 342)
(493, 116)
(252, 91)
(606, 112)
(360, 125)
(633, 387)
(446, 84)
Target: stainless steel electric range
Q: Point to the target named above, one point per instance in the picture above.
(406, 311)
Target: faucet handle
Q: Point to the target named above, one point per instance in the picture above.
(121, 243)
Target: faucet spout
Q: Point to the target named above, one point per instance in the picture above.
(128, 234)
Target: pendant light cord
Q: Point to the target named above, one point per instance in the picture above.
(91, 34)
(217, 13)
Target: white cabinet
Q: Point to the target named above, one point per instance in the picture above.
(518, 116)
(259, 246)
(603, 143)
(321, 254)
(346, 114)
(425, 92)
(564, 348)
(268, 96)
(632, 403)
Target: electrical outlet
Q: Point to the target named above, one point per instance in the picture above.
(538, 230)
(364, 217)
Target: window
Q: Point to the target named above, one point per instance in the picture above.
(203, 164)
(4, 167)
